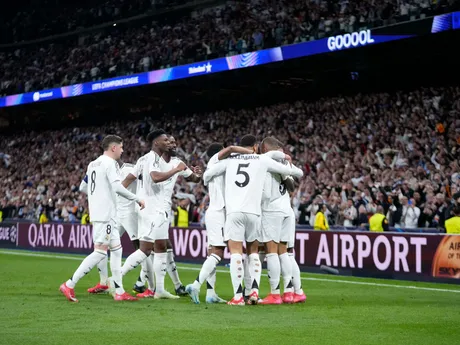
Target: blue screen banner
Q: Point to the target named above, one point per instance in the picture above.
(450, 21)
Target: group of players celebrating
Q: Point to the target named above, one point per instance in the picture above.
(249, 203)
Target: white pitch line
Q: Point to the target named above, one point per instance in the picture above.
(53, 256)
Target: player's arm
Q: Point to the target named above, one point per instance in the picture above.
(224, 153)
(84, 185)
(193, 175)
(275, 167)
(128, 180)
(277, 155)
(114, 180)
(215, 170)
(160, 176)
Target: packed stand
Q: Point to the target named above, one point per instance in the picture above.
(357, 153)
(40, 19)
(222, 31)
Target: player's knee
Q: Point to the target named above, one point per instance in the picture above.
(100, 247)
(217, 251)
(160, 246)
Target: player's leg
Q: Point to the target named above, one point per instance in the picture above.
(299, 295)
(270, 235)
(161, 235)
(215, 222)
(145, 249)
(101, 241)
(234, 235)
(252, 234)
(247, 276)
(171, 268)
(139, 286)
(287, 236)
(102, 268)
(116, 252)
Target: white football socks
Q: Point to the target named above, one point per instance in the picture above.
(172, 269)
(209, 266)
(103, 271)
(149, 271)
(159, 266)
(86, 266)
(115, 267)
(134, 260)
(143, 274)
(211, 284)
(247, 277)
(255, 271)
(274, 271)
(296, 281)
(286, 272)
(236, 273)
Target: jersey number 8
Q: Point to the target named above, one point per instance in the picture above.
(240, 171)
(93, 182)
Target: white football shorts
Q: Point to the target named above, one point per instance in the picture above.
(289, 229)
(215, 223)
(128, 223)
(153, 226)
(105, 232)
(240, 227)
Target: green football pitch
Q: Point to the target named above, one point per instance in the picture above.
(339, 310)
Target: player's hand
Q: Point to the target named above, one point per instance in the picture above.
(141, 203)
(288, 158)
(181, 167)
(197, 171)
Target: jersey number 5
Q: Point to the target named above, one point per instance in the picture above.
(244, 173)
(93, 182)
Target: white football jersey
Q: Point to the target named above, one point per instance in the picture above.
(152, 193)
(244, 180)
(125, 206)
(102, 200)
(275, 196)
(169, 184)
(216, 187)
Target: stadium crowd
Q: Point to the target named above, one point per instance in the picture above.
(233, 28)
(357, 153)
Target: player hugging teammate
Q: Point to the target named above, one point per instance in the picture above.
(248, 203)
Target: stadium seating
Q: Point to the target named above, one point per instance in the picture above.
(359, 148)
(139, 46)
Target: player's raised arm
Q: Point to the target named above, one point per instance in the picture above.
(275, 167)
(159, 176)
(233, 149)
(277, 155)
(215, 170)
(296, 172)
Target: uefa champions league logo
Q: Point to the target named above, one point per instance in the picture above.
(13, 234)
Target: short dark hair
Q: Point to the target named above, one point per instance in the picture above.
(213, 149)
(155, 134)
(272, 142)
(109, 140)
(248, 140)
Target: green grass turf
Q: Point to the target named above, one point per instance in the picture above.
(32, 311)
